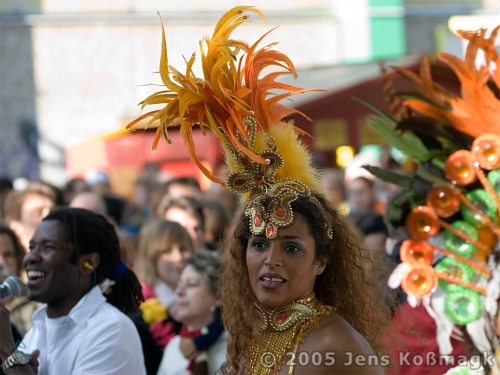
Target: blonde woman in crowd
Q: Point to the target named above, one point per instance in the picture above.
(164, 247)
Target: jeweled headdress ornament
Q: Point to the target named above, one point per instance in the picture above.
(451, 206)
(267, 161)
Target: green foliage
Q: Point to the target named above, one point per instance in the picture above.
(388, 176)
(408, 143)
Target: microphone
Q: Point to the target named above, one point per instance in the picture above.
(12, 287)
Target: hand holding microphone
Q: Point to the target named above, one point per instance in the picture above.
(12, 287)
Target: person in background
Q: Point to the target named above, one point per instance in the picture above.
(138, 208)
(57, 193)
(361, 200)
(11, 264)
(74, 187)
(164, 247)
(360, 195)
(171, 189)
(332, 181)
(91, 201)
(198, 309)
(186, 186)
(226, 197)
(99, 183)
(229, 199)
(216, 219)
(25, 209)
(188, 212)
(5, 187)
(74, 268)
(95, 203)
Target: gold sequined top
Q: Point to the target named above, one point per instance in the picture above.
(283, 330)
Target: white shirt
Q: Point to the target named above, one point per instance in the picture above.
(94, 338)
(173, 361)
(167, 297)
(165, 294)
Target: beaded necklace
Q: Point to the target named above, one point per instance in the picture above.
(283, 330)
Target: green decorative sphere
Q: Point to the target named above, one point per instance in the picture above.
(463, 306)
(457, 245)
(456, 269)
(483, 201)
(494, 180)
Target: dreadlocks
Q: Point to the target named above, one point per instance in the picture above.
(89, 233)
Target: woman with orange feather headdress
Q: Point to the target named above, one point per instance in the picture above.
(292, 265)
(451, 207)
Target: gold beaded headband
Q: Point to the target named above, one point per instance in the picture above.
(267, 161)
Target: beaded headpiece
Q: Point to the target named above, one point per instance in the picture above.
(451, 206)
(268, 163)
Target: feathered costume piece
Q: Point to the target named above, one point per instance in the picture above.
(266, 159)
(451, 206)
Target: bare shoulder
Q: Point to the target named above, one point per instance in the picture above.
(340, 349)
(334, 333)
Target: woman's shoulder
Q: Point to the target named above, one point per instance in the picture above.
(339, 348)
(335, 333)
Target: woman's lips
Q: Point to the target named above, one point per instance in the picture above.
(271, 282)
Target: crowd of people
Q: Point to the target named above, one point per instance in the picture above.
(171, 240)
(286, 271)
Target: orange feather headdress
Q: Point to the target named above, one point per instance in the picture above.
(241, 107)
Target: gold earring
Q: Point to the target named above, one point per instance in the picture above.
(88, 266)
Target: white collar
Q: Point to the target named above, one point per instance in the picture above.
(165, 293)
(85, 307)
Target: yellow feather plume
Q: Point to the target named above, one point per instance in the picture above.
(230, 91)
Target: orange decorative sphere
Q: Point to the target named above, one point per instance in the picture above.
(422, 222)
(416, 252)
(486, 151)
(459, 168)
(419, 281)
(444, 200)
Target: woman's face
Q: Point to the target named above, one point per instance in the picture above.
(283, 269)
(190, 222)
(195, 301)
(170, 263)
(8, 261)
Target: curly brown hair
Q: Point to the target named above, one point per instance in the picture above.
(351, 281)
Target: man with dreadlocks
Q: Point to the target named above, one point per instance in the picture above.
(74, 268)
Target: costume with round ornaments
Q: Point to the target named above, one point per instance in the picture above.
(451, 205)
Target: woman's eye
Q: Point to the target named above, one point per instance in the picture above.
(292, 248)
(259, 245)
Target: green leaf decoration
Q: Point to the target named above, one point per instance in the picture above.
(417, 96)
(399, 208)
(394, 213)
(423, 173)
(408, 143)
(387, 116)
(388, 176)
